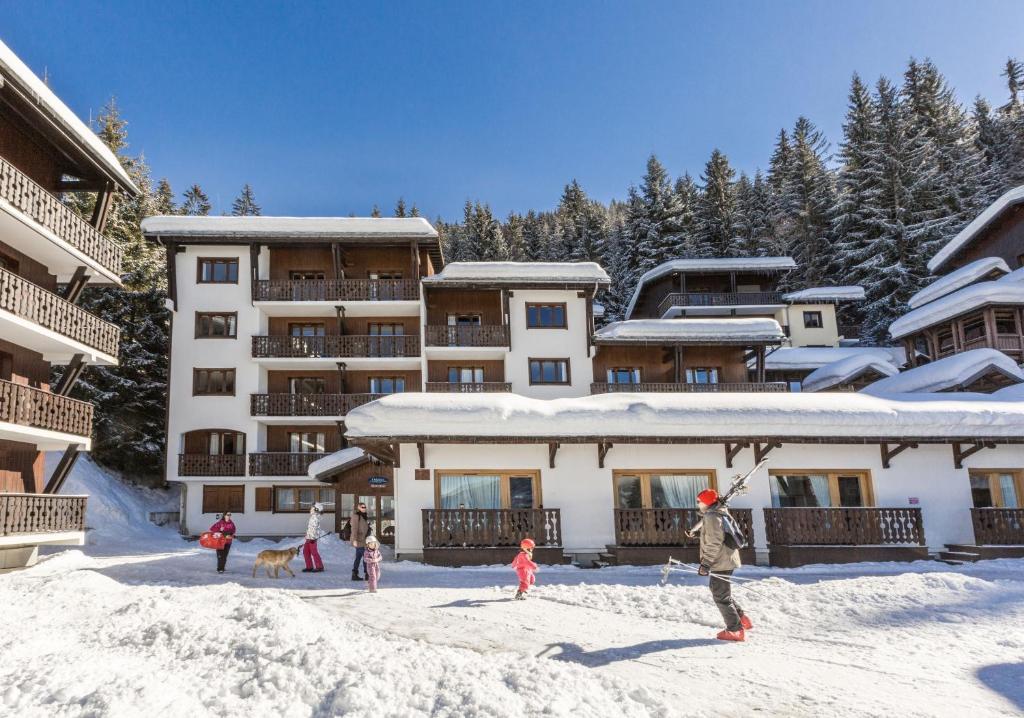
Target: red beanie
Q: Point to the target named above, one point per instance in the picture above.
(707, 497)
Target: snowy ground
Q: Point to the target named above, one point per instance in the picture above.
(139, 620)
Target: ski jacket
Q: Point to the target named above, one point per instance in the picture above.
(525, 567)
(373, 555)
(313, 527)
(224, 527)
(713, 551)
(360, 529)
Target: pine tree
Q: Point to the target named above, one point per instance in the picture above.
(534, 237)
(580, 226)
(486, 234)
(400, 207)
(687, 196)
(514, 237)
(195, 203)
(415, 211)
(716, 210)
(245, 204)
(375, 212)
(655, 229)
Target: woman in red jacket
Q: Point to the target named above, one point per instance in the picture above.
(225, 527)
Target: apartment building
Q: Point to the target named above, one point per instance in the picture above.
(48, 254)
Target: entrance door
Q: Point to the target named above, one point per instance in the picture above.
(380, 511)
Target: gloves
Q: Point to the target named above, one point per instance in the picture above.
(704, 570)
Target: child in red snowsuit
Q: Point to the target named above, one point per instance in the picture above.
(525, 568)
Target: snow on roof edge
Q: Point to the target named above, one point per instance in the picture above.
(958, 279)
(838, 293)
(946, 373)
(223, 226)
(991, 213)
(693, 329)
(846, 369)
(955, 303)
(509, 272)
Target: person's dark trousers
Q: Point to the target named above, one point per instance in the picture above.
(222, 556)
(721, 591)
(360, 550)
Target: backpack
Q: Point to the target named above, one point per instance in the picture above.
(346, 532)
(734, 538)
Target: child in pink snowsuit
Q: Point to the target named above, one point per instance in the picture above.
(525, 568)
(371, 562)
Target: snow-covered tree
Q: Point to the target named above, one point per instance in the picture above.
(195, 202)
(400, 207)
(245, 204)
(715, 217)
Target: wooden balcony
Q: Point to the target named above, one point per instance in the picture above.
(41, 514)
(44, 208)
(211, 464)
(39, 306)
(335, 290)
(718, 299)
(40, 409)
(744, 386)
(307, 404)
(467, 335)
(490, 528)
(281, 463)
(668, 527)
(480, 387)
(335, 347)
(998, 527)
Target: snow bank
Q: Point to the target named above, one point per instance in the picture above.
(325, 227)
(976, 271)
(555, 273)
(1009, 199)
(692, 330)
(825, 294)
(959, 302)
(799, 358)
(846, 370)
(336, 461)
(947, 374)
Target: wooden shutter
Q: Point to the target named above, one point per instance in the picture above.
(264, 498)
(218, 499)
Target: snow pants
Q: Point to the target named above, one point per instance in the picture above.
(222, 557)
(526, 579)
(721, 591)
(372, 575)
(312, 555)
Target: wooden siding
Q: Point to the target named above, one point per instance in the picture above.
(442, 302)
(26, 367)
(30, 269)
(277, 436)
(21, 468)
(647, 305)
(656, 363)
(358, 326)
(27, 153)
(494, 369)
(1003, 238)
(356, 382)
(358, 261)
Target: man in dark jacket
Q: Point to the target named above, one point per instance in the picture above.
(718, 560)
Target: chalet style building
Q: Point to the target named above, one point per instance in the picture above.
(48, 254)
(996, 232)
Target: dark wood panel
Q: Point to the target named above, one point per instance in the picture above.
(1003, 238)
(26, 367)
(656, 365)
(27, 153)
(21, 468)
(442, 302)
(28, 268)
(494, 369)
(277, 436)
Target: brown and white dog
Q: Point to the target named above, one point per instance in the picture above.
(276, 560)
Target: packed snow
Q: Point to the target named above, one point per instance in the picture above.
(336, 462)
(952, 247)
(825, 294)
(262, 226)
(979, 270)
(692, 330)
(846, 370)
(129, 626)
(554, 273)
(963, 300)
(948, 374)
(800, 358)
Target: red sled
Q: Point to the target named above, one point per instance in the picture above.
(208, 539)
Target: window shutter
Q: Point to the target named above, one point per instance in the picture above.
(264, 498)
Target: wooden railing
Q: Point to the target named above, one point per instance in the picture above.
(281, 463)
(844, 526)
(740, 386)
(39, 306)
(849, 331)
(335, 290)
(211, 464)
(467, 335)
(998, 526)
(40, 409)
(718, 299)
(307, 404)
(41, 513)
(32, 200)
(485, 528)
(466, 387)
(668, 527)
(1009, 343)
(335, 346)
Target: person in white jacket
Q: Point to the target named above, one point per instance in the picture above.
(309, 550)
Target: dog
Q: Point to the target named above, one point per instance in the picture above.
(276, 560)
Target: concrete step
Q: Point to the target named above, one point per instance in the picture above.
(951, 561)
(599, 564)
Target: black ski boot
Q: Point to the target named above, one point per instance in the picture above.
(520, 596)
(356, 576)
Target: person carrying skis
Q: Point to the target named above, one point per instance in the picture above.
(309, 549)
(719, 557)
(226, 527)
(372, 558)
(525, 567)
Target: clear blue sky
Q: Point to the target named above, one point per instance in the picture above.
(327, 108)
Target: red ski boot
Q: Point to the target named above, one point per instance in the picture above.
(746, 622)
(731, 635)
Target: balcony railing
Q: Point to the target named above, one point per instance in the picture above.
(742, 386)
(718, 299)
(30, 301)
(32, 200)
(40, 409)
(281, 463)
(335, 290)
(307, 404)
(467, 335)
(335, 347)
(849, 331)
(844, 526)
(487, 528)
(1003, 527)
(41, 513)
(668, 527)
(460, 387)
(211, 464)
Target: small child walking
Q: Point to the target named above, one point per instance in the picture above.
(525, 567)
(371, 562)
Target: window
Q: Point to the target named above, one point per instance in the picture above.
(624, 375)
(387, 384)
(821, 489)
(210, 382)
(306, 442)
(217, 270)
(306, 329)
(463, 320)
(974, 328)
(812, 320)
(378, 329)
(9, 263)
(225, 443)
(384, 274)
(306, 275)
(488, 490)
(307, 385)
(545, 316)
(669, 489)
(465, 374)
(217, 499)
(1006, 321)
(944, 342)
(702, 375)
(298, 499)
(216, 325)
(549, 371)
(997, 488)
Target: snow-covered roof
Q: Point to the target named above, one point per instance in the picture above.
(952, 248)
(799, 358)
(826, 294)
(948, 373)
(710, 264)
(450, 417)
(976, 271)
(338, 461)
(952, 305)
(846, 370)
(598, 310)
(1014, 392)
(691, 330)
(323, 227)
(1016, 275)
(14, 70)
(554, 273)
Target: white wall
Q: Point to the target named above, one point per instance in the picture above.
(250, 522)
(801, 336)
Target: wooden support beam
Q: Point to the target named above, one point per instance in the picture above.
(73, 289)
(396, 455)
(888, 454)
(340, 309)
(506, 314)
(421, 448)
(602, 451)
(761, 450)
(101, 209)
(342, 439)
(552, 450)
(254, 266)
(342, 377)
(60, 474)
(172, 250)
(731, 450)
(963, 451)
(70, 376)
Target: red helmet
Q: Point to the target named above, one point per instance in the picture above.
(708, 497)
(527, 543)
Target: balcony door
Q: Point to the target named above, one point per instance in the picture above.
(997, 489)
(624, 375)
(465, 375)
(850, 489)
(460, 329)
(306, 442)
(702, 375)
(382, 284)
(383, 343)
(224, 443)
(660, 489)
(488, 490)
